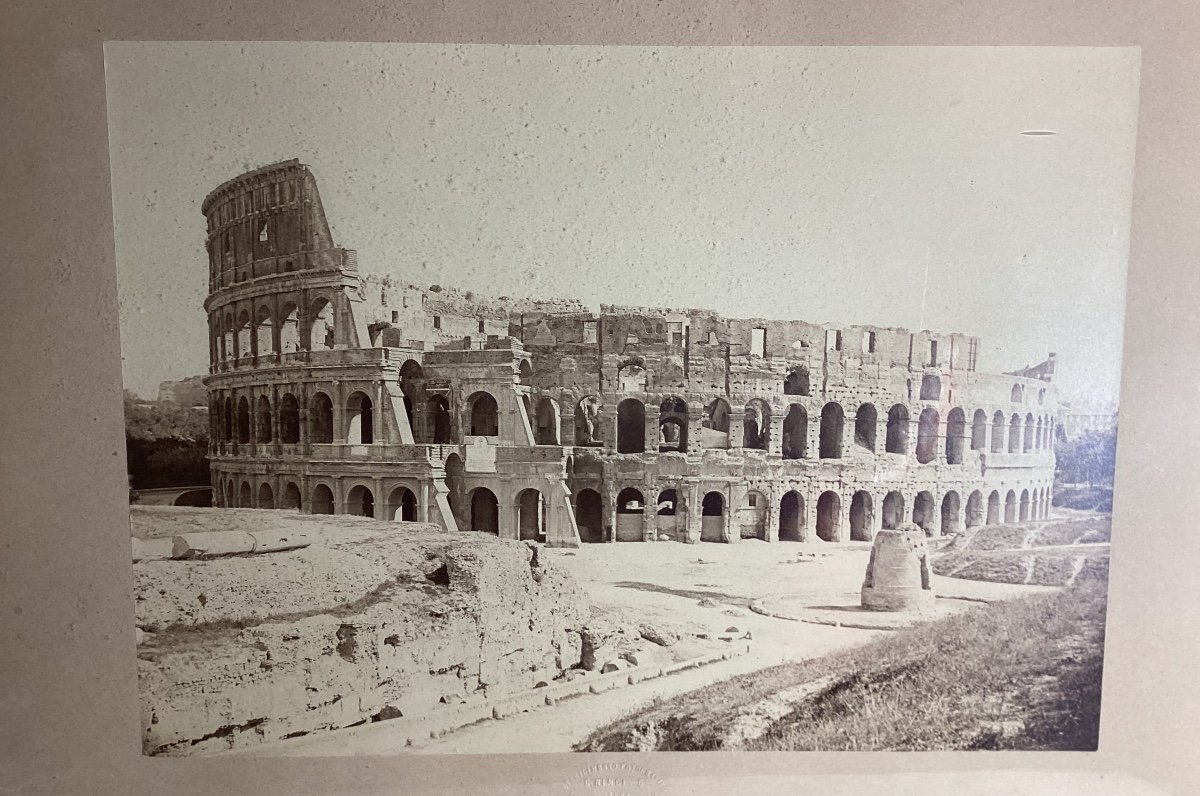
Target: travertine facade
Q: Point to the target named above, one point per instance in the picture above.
(341, 393)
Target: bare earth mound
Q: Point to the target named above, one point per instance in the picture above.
(372, 621)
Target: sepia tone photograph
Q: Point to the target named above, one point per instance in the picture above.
(501, 399)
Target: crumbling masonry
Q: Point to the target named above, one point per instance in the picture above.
(332, 392)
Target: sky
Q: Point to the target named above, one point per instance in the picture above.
(865, 185)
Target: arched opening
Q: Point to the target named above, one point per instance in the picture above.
(1018, 393)
(289, 329)
(865, 421)
(291, 497)
(829, 509)
(1014, 434)
(262, 420)
(931, 387)
(791, 517)
(979, 430)
(673, 425)
(229, 340)
(975, 515)
(402, 505)
(485, 511)
(531, 515)
(360, 419)
(1010, 506)
(227, 417)
(1037, 439)
(897, 429)
(795, 433)
(320, 419)
(243, 420)
(289, 419)
(951, 518)
(322, 500)
(893, 511)
(956, 436)
(796, 382)
(714, 430)
(245, 496)
(545, 426)
(630, 509)
(924, 513)
(860, 516)
(266, 496)
(998, 426)
(832, 419)
(321, 330)
(439, 416)
(264, 332)
(525, 373)
(360, 502)
(752, 519)
(589, 516)
(1024, 506)
(712, 518)
(485, 415)
(993, 508)
(587, 421)
(243, 335)
(631, 426)
(927, 433)
(756, 426)
(1029, 429)
(668, 518)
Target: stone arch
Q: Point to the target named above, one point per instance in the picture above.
(979, 425)
(545, 427)
(245, 496)
(264, 331)
(956, 435)
(243, 420)
(1010, 507)
(897, 429)
(484, 415)
(866, 420)
(1029, 431)
(975, 511)
(795, 433)
(791, 517)
(439, 416)
(1018, 394)
(631, 426)
(1023, 506)
(924, 512)
(291, 497)
(951, 513)
(525, 372)
(360, 501)
(829, 515)
(1014, 434)
(756, 425)
(587, 421)
(993, 508)
(360, 419)
(712, 517)
(630, 512)
(927, 434)
(245, 330)
(531, 515)
(321, 501)
(321, 331)
(668, 519)
(998, 426)
(320, 419)
(227, 418)
(266, 496)
(289, 419)
(893, 511)
(485, 511)
(861, 516)
(715, 425)
(589, 515)
(228, 339)
(673, 424)
(262, 420)
(832, 420)
(289, 329)
(797, 381)
(401, 505)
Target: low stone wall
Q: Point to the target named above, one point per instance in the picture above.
(372, 621)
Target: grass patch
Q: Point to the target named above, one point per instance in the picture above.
(1022, 674)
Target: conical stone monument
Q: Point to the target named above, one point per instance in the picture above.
(898, 573)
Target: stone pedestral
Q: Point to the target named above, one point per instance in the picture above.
(898, 574)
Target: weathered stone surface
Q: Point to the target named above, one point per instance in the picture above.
(898, 574)
(662, 636)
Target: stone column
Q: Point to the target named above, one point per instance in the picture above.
(339, 409)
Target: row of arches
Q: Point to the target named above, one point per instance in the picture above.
(263, 332)
(261, 421)
(401, 503)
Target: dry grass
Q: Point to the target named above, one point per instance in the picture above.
(1023, 674)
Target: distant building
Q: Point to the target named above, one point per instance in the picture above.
(331, 392)
(185, 392)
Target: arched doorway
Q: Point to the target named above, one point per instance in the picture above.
(829, 510)
(927, 433)
(979, 430)
(402, 505)
(291, 497)
(860, 516)
(289, 419)
(360, 420)
(951, 516)
(832, 419)
(360, 502)
(865, 421)
(531, 515)
(1010, 506)
(993, 508)
(245, 496)
(668, 519)
(631, 426)
(262, 420)
(485, 511)
(320, 419)
(897, 429)
(243, 421)
(791, 517)
(630, 511)
(975, 511)
(322, 500)
(266, 496)
(1024, 505)
(321, 335)
(439, 416)
(795, 433)
(956, 436)
(712, 518)
(545, 430)
(924, 513)
(673, 425)
(589, 515)
(998, 427)
(714, 431)
(756, 425)
(485, 415)
(752, 519)
(893, 511)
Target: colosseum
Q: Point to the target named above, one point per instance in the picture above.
(336, 392)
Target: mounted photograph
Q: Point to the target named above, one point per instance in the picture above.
(509, 399)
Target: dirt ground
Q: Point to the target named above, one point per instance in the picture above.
(703, 588)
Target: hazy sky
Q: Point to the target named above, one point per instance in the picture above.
(876, 185)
